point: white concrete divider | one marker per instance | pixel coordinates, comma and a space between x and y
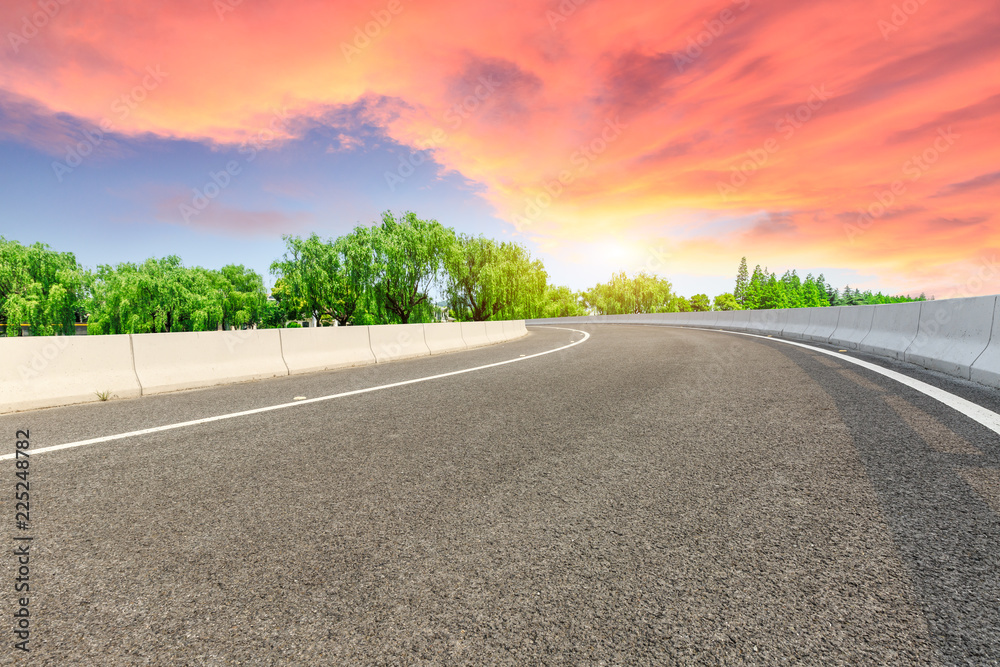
325, 348
44, 371
725, 319
392, 342
494, 331
854, 324
952, 334
823, 322
986, 369
796, 322
192, 359
741, 320
474, 333
767, 322
709, 318
894, 326
514, 329
444, 337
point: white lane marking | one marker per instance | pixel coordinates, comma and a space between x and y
973, 411
256, 411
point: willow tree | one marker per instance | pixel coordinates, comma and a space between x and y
406, 257
487, 279
162, 295
561, 301
327, 277
642, 293
40, 287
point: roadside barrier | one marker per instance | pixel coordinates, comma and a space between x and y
952, 334
894, 326
444, 337
325, 348
393, 342
44, 371
189, 360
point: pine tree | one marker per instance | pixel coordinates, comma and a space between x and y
742, 280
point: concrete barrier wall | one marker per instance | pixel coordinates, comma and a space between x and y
444, 337
514, 329
894, 326
766, 322
44, 371
325, 348
725, 319
796, 322
741, 320
823, 322
392, 342
986, 369
474, 333
49, 371
494, 331
853, 325
188, 360
952, 334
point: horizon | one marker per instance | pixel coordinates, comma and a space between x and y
669, 140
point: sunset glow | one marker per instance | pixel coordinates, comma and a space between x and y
845, 136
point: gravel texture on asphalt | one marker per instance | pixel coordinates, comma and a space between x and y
652, 496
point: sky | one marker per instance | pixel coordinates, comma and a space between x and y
857, 138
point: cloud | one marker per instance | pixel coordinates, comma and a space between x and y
276, 73
219, 218
979, 182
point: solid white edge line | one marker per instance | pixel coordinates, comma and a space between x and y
973, 411
269, 408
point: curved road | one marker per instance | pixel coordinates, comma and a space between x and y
650, 496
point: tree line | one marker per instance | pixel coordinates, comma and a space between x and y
385, 273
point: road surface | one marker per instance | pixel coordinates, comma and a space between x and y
650, 495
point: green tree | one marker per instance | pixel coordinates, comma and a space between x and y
622, 295
700, 303
486, 279
407, 259
39, 287
742, 283
726, 301
327, 277
161, 295
563, 302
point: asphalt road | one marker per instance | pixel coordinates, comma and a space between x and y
651, 496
